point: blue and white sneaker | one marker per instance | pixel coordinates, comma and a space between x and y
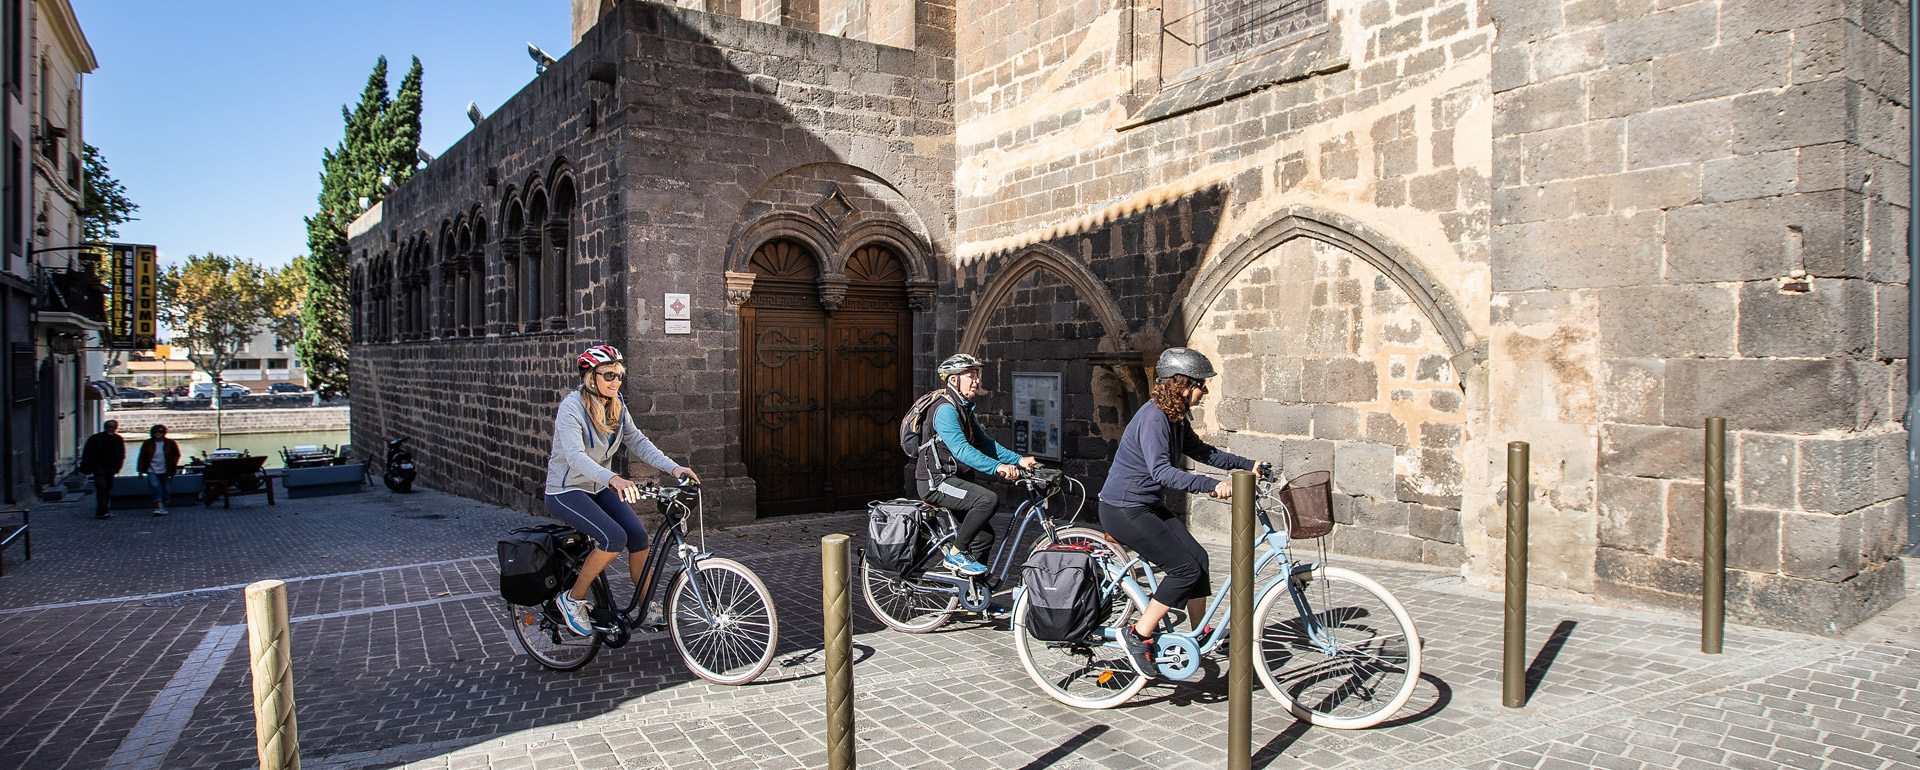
958, 562
578, 613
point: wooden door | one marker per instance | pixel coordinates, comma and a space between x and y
869, 380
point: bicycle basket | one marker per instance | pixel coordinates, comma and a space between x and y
1309, 501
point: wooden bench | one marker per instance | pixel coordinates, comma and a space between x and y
226, 477
324, 481
12, 532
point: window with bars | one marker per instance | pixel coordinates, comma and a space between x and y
1198, 33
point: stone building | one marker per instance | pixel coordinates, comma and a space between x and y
1409, 231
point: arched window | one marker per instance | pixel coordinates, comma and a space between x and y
561, 249
477, 285
533, 262
511, 273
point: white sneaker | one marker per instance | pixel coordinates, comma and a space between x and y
159, 511
656, 616
578, 613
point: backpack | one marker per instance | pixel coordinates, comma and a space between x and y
893, 533
911, 426
531, 563
1064, 603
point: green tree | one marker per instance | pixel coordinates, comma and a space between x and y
286, 290
106, 205
377, 152
215, 305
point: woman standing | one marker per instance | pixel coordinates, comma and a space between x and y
159, 461
591, 425
1130, 507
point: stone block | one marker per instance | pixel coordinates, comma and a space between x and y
1777, 395
1834, 318
1338, 380
1569, 54
1510, 69
1685, 134
1360, 541
1435, 479
1363, 469
1620, 91
1798, 116
1539, 107
1280, 419
1339, 158
1686, 516
1384, 428
1665, 321
1441, 554
1233, 413
1890, 465
1883, 532
1631, 391
1766, 469
1651, 451
1736, 66
1753, 539
1279, 379
1261, 447
1655, 188
1837, 475
1765, 175
1447, 401
1782, 601
1614, 570
1752, 240
1336, 422
1302, 456
1575, 151
1343, 509
1438, 191
1632, 513
1741, 19
1382, 515
1430, 523
1520, 21
1687, 28
1819, 546
1619, 250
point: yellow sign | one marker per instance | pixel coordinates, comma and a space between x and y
131, 307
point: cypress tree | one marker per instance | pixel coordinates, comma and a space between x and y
401, 128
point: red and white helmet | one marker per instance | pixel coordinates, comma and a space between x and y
598, 355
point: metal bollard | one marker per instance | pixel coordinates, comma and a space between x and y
1713, 552
277, 738
1240, 633
837, 608
1513, 671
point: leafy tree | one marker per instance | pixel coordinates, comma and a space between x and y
106, 203
215, 305
377, 152
286, 290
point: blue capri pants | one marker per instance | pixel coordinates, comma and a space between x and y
603, 516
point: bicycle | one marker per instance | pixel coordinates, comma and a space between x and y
924, 595
1343, 653
718, 612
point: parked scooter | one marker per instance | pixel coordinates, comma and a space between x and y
399, 474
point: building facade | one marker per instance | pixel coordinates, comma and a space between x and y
1407, 232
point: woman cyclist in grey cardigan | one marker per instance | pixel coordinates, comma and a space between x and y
589, 428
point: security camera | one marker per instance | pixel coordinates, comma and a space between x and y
424, 156
474, 114
541, 59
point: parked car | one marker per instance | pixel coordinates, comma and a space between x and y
227, 390
133, 394
286, 387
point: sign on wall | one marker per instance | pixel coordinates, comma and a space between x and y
134, 269
679, 314
1036, 414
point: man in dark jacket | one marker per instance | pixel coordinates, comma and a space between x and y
102, 457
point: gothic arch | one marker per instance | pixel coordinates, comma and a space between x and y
779, 225
1304, 222
913, 252
1091, 290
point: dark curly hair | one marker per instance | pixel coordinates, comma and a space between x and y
1170, 395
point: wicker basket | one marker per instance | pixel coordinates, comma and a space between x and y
1309, 501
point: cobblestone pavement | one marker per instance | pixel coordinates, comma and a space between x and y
123, 648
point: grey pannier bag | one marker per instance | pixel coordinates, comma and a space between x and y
1064, 603
893, 533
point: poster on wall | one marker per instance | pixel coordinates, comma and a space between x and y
1036, 414
133, 271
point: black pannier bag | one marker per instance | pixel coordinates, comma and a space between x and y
893, 533
531, 563
1063, 594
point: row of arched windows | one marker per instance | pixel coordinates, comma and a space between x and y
469, 280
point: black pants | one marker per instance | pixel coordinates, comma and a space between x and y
1164, 542
974, 533
102, 489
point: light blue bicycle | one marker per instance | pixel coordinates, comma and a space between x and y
1331, 644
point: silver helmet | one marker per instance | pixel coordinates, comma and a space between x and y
1185, 361
957, 363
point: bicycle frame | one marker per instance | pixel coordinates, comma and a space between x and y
1033, 510
672, 540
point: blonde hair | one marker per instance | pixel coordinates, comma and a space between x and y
602, 411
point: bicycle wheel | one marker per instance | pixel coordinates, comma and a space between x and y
728, 632
1084, 675
908, 605
544, 634
1347, 658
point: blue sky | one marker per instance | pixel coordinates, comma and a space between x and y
214, 113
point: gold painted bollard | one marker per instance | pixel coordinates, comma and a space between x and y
1513, 669
837, 607
277, 737
1240, 633
1713, 552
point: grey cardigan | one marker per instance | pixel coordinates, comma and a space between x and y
581, 452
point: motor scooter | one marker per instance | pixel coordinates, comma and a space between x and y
399, 473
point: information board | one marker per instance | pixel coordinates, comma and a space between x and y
133, 271
1036, 414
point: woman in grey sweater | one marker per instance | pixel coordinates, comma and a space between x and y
589, 428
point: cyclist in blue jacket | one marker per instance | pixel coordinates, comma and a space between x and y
953, 444
1130, 507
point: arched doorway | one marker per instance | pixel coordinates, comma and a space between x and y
823, 388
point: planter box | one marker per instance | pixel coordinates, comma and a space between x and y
131, 491
328, 480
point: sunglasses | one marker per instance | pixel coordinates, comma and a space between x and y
612, 376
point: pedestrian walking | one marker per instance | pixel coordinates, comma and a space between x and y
101, 458
159, 460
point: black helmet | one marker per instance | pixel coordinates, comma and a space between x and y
1185, 361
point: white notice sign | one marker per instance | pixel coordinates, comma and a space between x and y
678, 308
1036, 414
679, 327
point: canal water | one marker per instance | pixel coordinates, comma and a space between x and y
268, 444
